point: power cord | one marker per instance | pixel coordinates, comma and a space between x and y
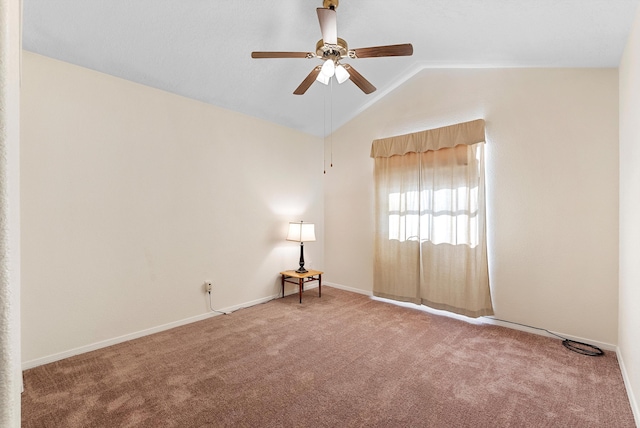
211, 306
572, 345
582, 348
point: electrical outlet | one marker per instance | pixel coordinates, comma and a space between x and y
208, 286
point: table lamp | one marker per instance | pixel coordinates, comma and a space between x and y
301, 232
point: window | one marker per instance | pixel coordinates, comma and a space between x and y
430, 244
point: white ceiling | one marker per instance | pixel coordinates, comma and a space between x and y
201, 49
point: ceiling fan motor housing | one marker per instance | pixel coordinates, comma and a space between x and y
334, 52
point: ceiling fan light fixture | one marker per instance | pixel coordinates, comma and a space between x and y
323, 79
328, 68
342, 75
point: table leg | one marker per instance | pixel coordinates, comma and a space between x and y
301, 281
320, 285
282, 280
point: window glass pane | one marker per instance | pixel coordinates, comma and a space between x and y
441, 213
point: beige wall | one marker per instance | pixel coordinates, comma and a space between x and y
629, 320
133, 197
552, 188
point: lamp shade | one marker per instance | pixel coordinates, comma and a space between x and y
301, 232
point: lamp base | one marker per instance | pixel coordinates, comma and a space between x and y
301, 269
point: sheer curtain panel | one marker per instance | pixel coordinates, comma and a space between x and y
430, 242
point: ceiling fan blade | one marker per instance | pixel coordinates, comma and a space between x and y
328, 25
282, 55
359, 80
405, 49
306, 83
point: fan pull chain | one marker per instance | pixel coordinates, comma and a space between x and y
324, 125
324, 131
331, 120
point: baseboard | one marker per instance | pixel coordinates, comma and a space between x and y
135, 335
627, 384
114, 341
534, 330
109, 342
332, 285
494, 321
345, 288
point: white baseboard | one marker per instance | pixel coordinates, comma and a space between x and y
493, 321
345, 288
507, 324
601, 345
635, 409
109, 342
114, 341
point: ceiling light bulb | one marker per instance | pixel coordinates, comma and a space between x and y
341, 74
328, 68
323, 79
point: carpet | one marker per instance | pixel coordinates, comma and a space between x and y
343, 360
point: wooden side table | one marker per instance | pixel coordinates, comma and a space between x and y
302, 278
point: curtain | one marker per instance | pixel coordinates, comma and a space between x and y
430, 239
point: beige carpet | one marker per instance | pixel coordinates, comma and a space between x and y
343, 360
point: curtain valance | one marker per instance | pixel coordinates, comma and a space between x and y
433, 139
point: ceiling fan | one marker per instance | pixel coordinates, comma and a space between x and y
331, 50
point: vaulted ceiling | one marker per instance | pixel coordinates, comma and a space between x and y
201, 49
